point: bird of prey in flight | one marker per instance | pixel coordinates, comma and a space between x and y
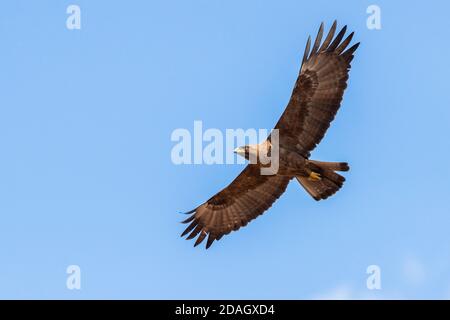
315, 99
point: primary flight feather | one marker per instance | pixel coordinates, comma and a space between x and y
315, 99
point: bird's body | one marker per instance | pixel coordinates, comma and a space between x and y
315, 99
291, 163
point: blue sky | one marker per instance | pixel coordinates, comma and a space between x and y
86, 176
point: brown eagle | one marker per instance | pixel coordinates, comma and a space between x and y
315, 99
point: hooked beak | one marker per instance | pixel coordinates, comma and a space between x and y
239, 150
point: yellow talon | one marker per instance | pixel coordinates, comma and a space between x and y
314, 176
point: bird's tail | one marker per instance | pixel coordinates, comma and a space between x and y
327, 182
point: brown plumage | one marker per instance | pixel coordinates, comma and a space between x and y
315, 99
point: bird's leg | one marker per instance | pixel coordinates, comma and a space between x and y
314, 176
311, 173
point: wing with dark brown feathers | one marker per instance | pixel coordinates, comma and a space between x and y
247, 197
318, 91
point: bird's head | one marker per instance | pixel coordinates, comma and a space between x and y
248, 151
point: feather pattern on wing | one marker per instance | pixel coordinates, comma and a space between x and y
318, 91
247, 197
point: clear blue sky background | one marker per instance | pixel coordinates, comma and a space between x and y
86, 176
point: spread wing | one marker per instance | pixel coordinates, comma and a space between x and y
247, 197
318, 91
